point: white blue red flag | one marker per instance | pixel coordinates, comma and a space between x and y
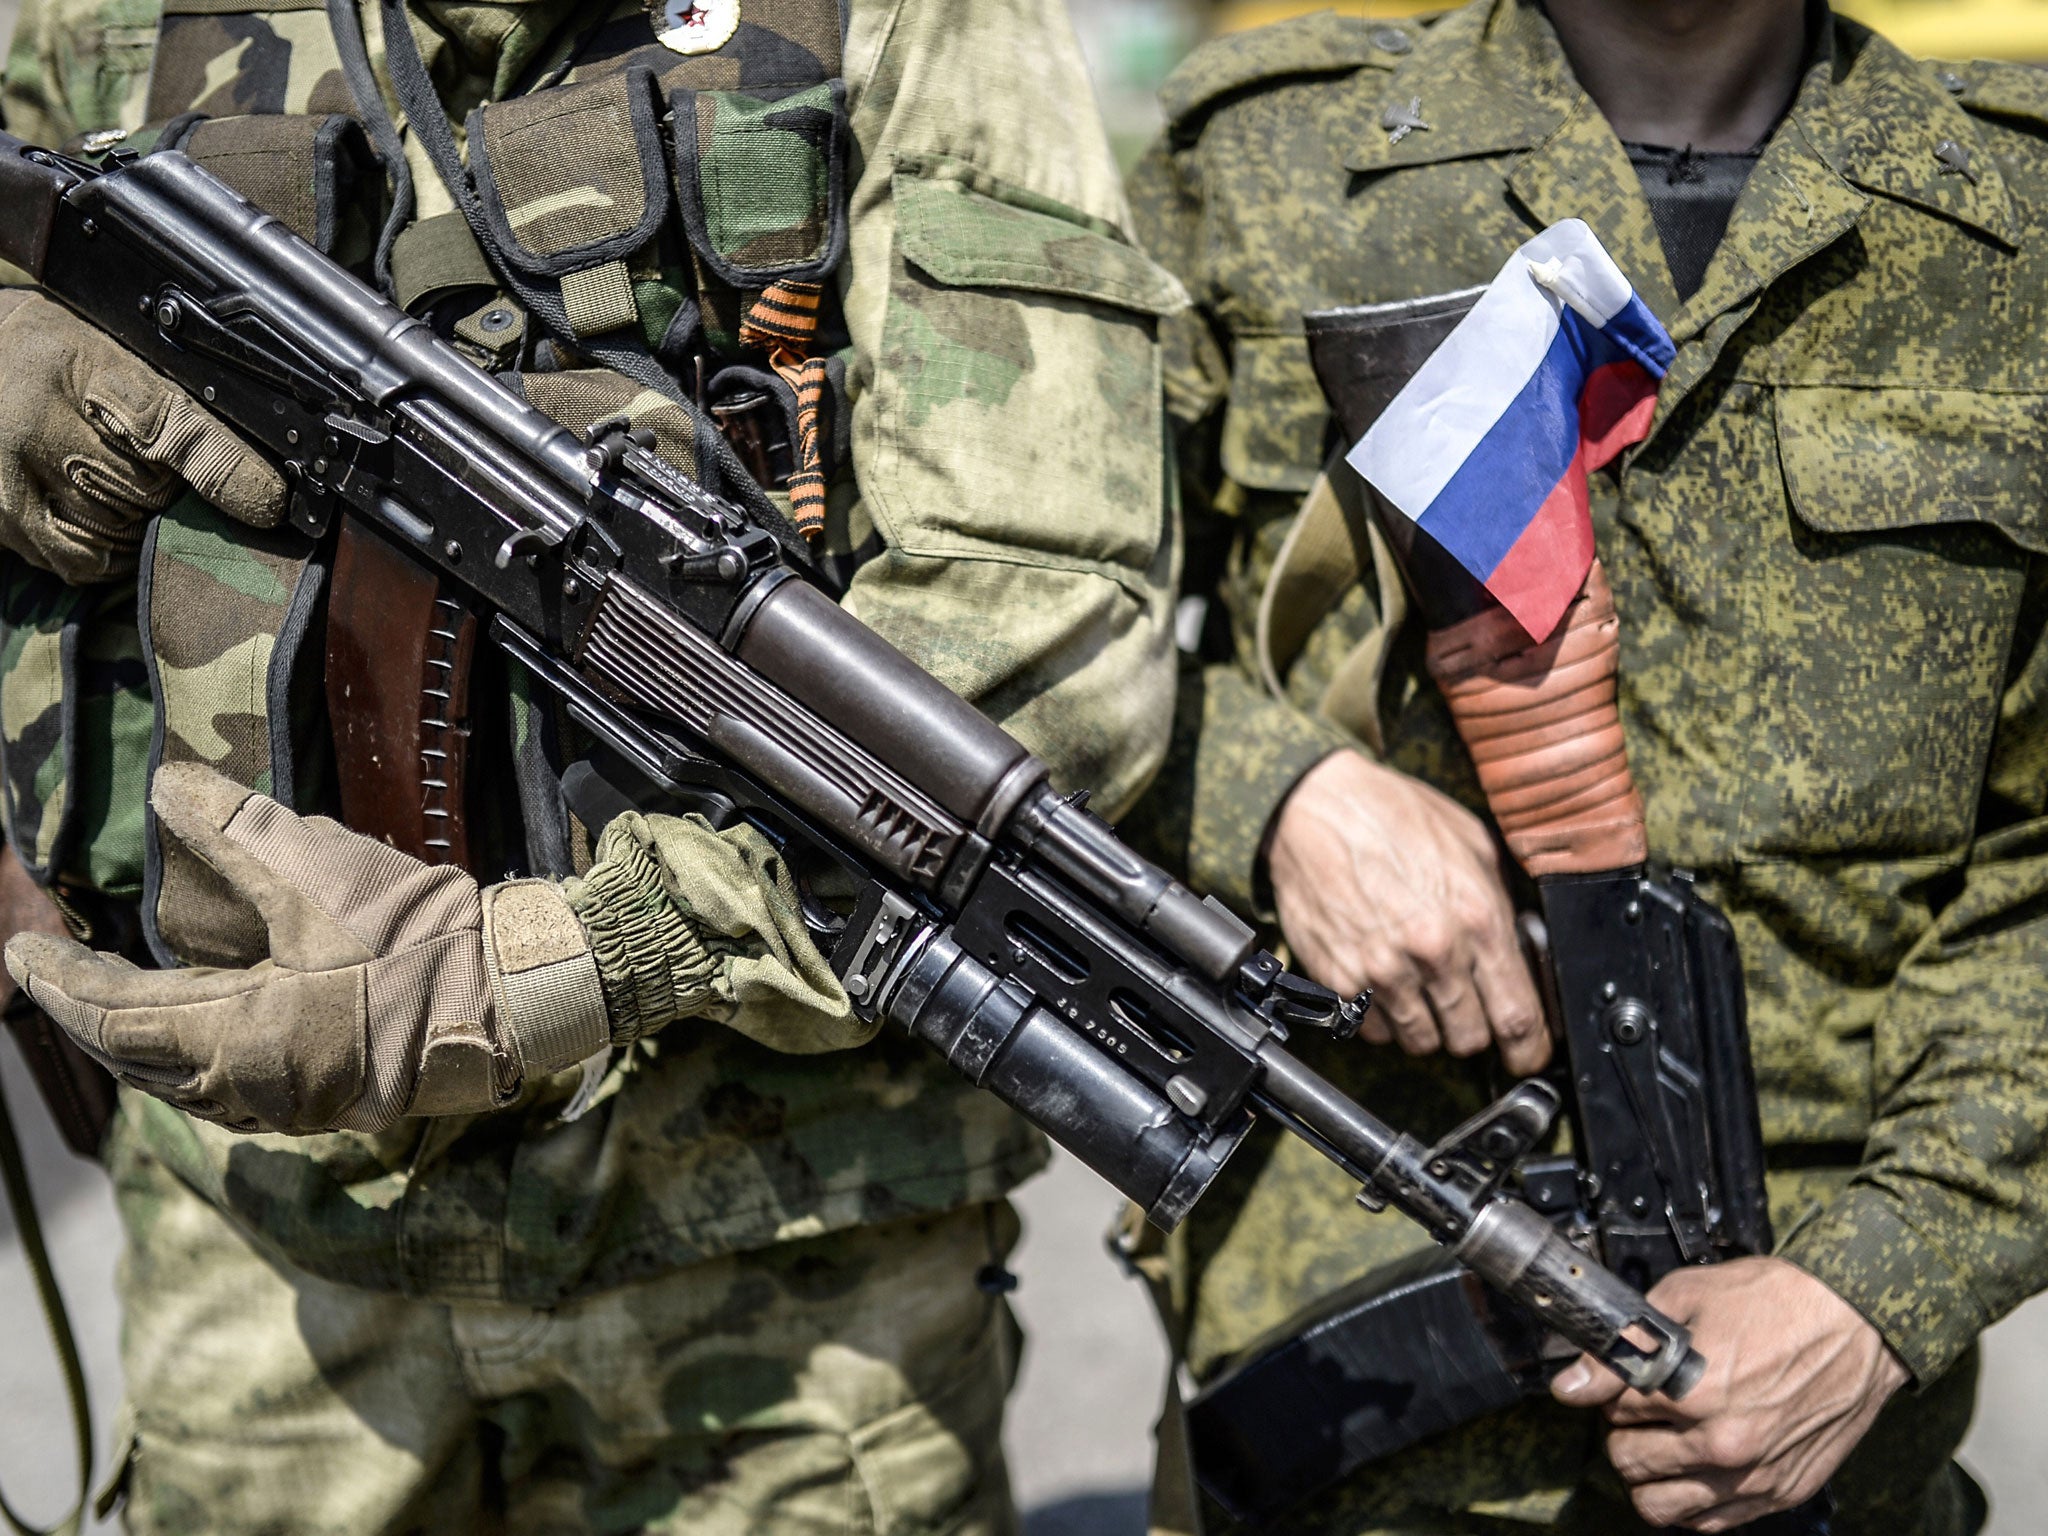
1553, 373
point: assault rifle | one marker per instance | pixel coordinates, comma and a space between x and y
998, 921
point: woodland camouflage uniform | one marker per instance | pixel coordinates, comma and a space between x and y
738, 1293
1828, 561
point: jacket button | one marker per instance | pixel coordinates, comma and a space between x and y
1951, 82
1389, 40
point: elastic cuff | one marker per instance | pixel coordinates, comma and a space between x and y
1863, 1248
1246, 770
651, 961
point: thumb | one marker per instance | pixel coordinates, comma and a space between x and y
1585, 1383
199, 806
217, 464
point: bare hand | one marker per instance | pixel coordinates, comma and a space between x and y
1382, 881
1795, 1378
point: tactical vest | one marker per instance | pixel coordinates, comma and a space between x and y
672, 213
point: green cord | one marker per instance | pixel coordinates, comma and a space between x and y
20, 1199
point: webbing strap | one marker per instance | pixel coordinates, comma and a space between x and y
354, 51
21, 1201
428, 119
1324, 554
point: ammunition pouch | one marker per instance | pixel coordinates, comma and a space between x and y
576, 221
762, 178
230, 614
318, 174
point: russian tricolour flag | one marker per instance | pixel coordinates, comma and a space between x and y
1553, 373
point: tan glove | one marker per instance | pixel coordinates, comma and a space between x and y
397, 989
93, 441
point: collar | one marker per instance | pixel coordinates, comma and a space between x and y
1480, 82
1492, 80
1891, 128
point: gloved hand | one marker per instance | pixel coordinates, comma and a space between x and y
92, 442
393, 988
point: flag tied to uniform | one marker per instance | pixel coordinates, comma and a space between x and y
1553, 373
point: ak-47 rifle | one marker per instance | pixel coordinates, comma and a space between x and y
998, 921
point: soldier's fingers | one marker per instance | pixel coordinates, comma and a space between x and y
1586, 1383
1375, 1030
1658, 1453
1628, 1410
1514, 1012
1400, 1013
218, 465
202, 808
68, 982
1681, 1501
1410, 1020
1460, 1015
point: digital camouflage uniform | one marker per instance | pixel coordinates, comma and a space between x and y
737, 1293
1827, 558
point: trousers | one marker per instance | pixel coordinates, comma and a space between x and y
844, 1385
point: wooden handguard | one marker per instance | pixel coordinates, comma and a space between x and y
1544, 729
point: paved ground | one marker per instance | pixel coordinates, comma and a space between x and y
1080, 1427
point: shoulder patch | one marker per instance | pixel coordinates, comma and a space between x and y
1992, 88
1324, 43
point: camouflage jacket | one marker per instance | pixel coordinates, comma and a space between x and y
998, 315
1828, 560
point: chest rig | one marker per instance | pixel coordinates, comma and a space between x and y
637, 232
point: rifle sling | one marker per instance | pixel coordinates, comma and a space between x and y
1327, 550
21, 1201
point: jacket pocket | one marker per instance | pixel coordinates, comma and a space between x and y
575, 220
762, 179
1914, 514
1017, 407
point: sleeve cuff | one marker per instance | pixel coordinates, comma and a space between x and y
652, 962
1864, 1249
1254, 750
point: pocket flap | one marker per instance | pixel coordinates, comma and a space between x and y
1878, 460
555, 213
762, 177
964, 238
303, 169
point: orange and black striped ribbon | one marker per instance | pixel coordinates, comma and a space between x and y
783, 322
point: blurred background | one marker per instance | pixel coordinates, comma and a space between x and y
1080, 1424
